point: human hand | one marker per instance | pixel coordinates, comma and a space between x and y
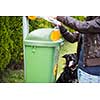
53, 20
59, 18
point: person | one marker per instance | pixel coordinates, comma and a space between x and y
88, 52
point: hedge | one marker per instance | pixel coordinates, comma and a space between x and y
10, 40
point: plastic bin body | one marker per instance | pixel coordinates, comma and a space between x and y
40, 63
41, 59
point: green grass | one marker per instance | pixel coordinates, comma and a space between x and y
67, 48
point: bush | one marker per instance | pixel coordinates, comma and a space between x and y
12, 76
39, 23
10, 40
6, 44
17, 38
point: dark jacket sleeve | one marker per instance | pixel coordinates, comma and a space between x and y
71, 37
92, 26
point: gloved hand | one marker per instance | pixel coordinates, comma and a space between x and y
60, 26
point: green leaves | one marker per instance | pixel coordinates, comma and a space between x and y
39, 23
10, 40
5, 42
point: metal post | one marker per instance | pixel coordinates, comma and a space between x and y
25, 32
25, 27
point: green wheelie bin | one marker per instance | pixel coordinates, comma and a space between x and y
41, 54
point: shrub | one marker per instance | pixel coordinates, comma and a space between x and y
6, 44
17, 38
39, 23
10, 40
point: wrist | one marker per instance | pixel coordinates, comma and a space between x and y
62, 29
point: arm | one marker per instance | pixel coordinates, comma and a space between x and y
92, 26
71, 37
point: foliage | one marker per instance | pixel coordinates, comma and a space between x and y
12, 76
39, 23
81, 18
6, 44
10, 40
